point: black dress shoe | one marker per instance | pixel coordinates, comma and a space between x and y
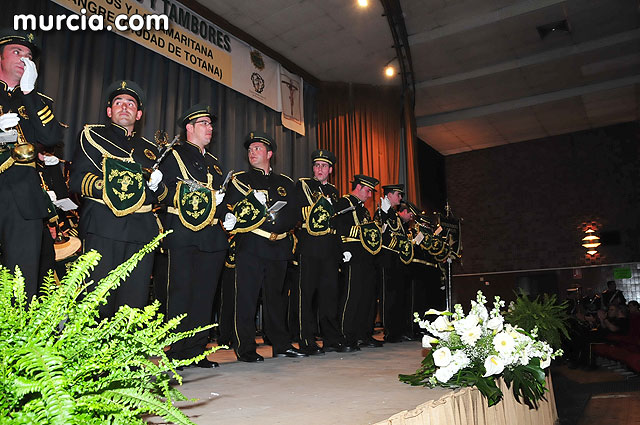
312, 350
341, 348
290, 352
207, 364
250, 357
370, 342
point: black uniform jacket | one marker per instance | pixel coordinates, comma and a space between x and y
38, 126
277, 187
347, 227
316, 246
392, 224
212, 238
87, 180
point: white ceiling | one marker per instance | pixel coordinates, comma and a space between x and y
483, 75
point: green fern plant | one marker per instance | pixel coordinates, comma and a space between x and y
62, 365
546, 313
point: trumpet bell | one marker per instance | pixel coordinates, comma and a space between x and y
23, 152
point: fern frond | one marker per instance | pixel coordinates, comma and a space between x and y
165, 410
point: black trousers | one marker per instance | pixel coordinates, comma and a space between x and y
20, 242
134, 290
395, 309
318, 279
357, 298
252, 274
227, 305
191, 287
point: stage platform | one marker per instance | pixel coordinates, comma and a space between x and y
340, 388
335, 388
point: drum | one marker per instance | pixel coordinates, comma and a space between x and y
67, 249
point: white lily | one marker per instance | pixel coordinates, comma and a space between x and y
493, 366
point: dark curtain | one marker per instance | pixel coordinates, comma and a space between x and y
76, 67
362, 125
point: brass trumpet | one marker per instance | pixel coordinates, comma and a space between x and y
23, 151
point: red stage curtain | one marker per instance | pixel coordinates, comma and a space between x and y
411, 137
362, 126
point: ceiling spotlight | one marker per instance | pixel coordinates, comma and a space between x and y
389, 71
363, 3
553, 27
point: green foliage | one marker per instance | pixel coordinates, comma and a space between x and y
464, 378
547, 314
62, 365
528, 382
425, 371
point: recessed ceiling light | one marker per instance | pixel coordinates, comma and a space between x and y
363, 3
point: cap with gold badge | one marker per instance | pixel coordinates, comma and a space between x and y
323, 156
196, 111
24, 38
370, 182
255, 136
126, 87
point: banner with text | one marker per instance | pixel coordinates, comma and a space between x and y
198, 44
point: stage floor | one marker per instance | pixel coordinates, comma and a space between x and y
345, 388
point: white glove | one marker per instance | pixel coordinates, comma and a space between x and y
385, 204
52, 195
219, 196
8, 120
51, 160
261, 197
29, 76
154, 180
346, 256
329, 200
418, 239
229, 222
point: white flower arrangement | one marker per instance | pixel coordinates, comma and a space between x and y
477, 348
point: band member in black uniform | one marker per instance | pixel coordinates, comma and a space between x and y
411, 301
264, 244
227, 297
319, 258
23, 109
198, 245
361, 241
112, 169
426, 274
391, 270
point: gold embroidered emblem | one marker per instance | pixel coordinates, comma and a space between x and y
123, 85
124, 179
218, 170
281, 191
30, 37
150, 155
99, 184
23, 112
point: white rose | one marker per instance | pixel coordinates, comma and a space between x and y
444, 374
503, 343
496, 323
442, 357
493, 365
